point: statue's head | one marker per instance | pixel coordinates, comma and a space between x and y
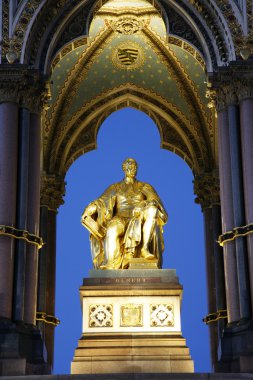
129, 167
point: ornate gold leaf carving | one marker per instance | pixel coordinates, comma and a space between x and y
128, 24
52, 191
131, 315
128, 56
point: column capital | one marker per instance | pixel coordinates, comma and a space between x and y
24, 86
223, 95
245, 90
207, 189
231, 84
52, 191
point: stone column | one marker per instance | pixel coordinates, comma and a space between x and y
21, 222
28, 205
8, 188
230, 266
31, 272
219, 264
246, 118
21, 345
52, 192
236, 347
210, 270
238, 204
206, 186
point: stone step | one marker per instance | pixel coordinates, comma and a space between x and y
139, 376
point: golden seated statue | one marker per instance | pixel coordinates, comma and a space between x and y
125, 222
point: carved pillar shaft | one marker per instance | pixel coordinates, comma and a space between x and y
218, 260
210, 270
21, 223
47, 271
8, 173
229, 254
238, 208
33, 211
50, 290
246, 115
235, 147
52, 191
19, 209
208, 191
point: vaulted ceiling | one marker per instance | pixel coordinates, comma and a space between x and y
128, 47
102, 55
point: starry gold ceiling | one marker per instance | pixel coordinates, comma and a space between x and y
151, 72
128, 47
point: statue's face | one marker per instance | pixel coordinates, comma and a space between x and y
130, 168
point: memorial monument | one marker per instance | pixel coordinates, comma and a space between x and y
64, 67
131, 307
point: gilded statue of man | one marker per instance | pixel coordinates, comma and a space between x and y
126, 222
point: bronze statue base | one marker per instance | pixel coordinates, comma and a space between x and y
137, 263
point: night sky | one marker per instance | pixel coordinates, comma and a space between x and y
131, 133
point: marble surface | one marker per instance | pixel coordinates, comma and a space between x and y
168, 274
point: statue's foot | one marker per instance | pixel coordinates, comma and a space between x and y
129, 254
106, 266
103, 267
146, 254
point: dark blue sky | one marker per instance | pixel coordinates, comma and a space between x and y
131, 133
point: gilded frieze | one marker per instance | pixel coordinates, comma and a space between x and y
187, 47
80, 42
128, 24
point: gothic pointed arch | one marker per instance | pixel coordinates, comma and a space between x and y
41, 28
86, 78
177, 133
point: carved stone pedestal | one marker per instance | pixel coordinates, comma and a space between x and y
131, 323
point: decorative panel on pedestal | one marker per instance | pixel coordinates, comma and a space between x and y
131, 323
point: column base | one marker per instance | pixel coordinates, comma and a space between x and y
237, 348
21, 350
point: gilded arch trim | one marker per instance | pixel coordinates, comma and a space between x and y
68, 89
61, 106
197, 154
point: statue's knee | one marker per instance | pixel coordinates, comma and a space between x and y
114, 230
